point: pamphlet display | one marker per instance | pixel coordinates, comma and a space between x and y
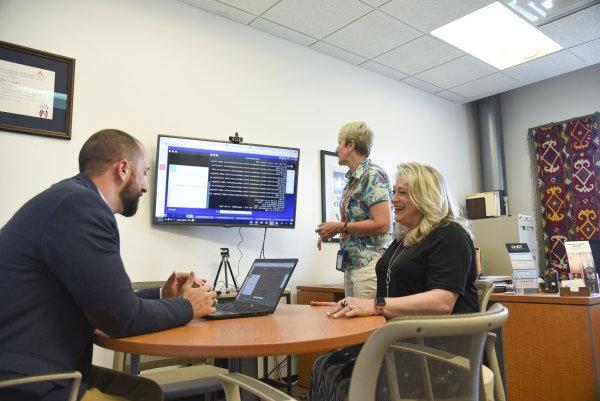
525, 273
581, 266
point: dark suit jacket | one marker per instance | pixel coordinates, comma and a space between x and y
62, 277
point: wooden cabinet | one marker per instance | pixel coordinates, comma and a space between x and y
551, 347
305, 294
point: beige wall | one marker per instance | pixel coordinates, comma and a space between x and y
159, 66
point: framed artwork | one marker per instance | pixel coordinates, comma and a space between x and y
36, 91
333, 179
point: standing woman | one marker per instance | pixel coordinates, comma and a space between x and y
429, 269
365, 210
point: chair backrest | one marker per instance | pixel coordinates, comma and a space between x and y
432, 357
484, 292
75, 376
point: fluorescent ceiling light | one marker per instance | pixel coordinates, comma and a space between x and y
541, 12
497, 36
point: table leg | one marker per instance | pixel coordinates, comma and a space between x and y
289, 374
134, 364
247, 366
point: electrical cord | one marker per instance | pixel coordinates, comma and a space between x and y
262, 249
278, 366
237, 274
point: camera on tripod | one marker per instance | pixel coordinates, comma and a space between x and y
226, 271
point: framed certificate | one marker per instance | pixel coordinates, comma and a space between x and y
36, 91
333, 179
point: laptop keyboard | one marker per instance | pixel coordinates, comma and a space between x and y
234, 307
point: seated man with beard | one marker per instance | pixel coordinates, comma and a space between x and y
63, 277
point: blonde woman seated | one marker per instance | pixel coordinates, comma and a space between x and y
428, 269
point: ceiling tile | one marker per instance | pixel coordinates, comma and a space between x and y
373, 34
420, 54
575, 29
456, 72
282, 32
338, 53
427, 15
448, 95
589, 52
316, 18
255, 7
486, 85
545, 67
222, 10
382, 69
426, 86
375, 3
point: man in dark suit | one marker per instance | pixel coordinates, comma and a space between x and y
63, 277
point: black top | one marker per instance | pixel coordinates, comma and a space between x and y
445, 260
62, 277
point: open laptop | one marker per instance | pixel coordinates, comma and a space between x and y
261, 290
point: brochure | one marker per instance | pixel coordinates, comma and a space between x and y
525, 274
581, 265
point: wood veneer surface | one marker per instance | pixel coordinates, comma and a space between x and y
304, 297
292, 329
331, 288
305, 294
546, 299
595, 333
547, 353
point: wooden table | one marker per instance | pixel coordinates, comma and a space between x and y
305, 294
292, 329
551, 347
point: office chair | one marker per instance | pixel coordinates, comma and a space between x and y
421, 358
484, 292
184, 377
75, 376
485, 289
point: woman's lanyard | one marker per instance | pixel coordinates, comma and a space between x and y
344, 206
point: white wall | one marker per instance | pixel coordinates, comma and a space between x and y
159, 66
556, 99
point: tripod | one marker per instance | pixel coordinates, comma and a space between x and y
225, 266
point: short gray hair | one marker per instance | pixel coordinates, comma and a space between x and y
360, 133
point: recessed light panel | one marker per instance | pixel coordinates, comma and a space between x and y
497, 36
541, 12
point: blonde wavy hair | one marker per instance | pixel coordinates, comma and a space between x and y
429, 193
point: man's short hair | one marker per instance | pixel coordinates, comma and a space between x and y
106, 147
360, 133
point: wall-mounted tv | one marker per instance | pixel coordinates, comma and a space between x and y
208, 182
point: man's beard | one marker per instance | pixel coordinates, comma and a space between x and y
130, 199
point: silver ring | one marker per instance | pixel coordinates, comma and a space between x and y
344, 303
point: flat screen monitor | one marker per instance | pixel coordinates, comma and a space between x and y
208, 182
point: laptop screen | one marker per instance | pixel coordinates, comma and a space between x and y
266, 281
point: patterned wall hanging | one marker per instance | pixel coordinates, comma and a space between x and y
567, 161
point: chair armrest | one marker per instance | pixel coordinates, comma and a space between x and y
75, 376
233, 381
492, 360
439, 355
